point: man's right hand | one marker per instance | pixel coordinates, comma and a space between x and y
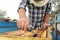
23, 23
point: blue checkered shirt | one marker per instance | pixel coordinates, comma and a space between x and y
36, 14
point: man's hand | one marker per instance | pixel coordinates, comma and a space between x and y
23, 23
44, 26
45, 22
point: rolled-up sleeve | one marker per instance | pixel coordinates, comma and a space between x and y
22, 4
49, 7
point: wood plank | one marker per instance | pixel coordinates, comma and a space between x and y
20, 33
2, 37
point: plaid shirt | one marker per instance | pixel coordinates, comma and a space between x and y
36, 14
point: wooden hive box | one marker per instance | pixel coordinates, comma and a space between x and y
21, 38
8, 36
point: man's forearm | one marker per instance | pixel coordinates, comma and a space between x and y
46, 18
22, 12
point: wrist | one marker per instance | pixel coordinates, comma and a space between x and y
22, 17
45, 23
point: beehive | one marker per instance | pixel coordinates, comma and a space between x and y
10, 36
21, 38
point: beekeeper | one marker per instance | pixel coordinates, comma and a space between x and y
39, 14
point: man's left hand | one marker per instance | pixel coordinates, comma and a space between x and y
44, 26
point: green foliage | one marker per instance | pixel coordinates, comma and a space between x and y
57, 9
2, 14
54, 13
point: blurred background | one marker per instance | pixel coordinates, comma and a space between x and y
10, 7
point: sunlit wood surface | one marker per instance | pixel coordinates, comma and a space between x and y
26, 35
